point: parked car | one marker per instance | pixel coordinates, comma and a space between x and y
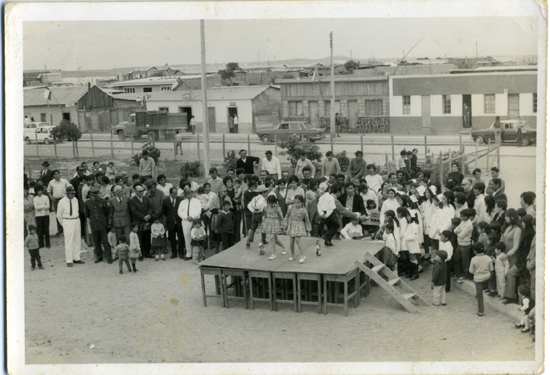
287, 128
509, 129
40, 134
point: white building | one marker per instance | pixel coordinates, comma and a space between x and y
253, 105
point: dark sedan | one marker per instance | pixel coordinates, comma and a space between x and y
287, 128
509, 129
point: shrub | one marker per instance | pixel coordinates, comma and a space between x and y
152, 150
294, 148
67, 130
343, 160
230, 160
192, 167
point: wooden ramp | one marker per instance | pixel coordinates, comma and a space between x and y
396, 287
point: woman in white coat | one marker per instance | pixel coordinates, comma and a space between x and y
410, 240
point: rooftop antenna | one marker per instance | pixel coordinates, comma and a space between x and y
403, 59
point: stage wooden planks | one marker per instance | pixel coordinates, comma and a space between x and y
335, 265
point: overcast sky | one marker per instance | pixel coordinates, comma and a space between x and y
70, 45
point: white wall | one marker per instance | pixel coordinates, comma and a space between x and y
244, 110
501, 105
436, 106
526, 105
396, 106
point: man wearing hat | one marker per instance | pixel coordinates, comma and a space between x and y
46, 174
97, 211
68, 216
140, 210
357, 168
257, 206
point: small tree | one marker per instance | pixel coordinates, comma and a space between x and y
295, 147
229, 73
230, 160
351, 65
69, 131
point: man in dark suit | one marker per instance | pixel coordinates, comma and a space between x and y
173, 223
352, 201
500, 209
248, 163
467, 184
141, 213
495, 186
97, 210
77, 180
120, 213
46, 174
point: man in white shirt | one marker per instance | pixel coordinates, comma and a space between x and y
188, 210
69, 215
235, 124
374, 180
325, 208
271, 165
56, 189
257, 206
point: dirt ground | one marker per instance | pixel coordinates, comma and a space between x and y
92, 314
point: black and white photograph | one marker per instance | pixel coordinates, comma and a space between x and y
275, 187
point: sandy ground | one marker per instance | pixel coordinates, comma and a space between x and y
157, 316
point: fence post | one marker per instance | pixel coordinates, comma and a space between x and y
441, 168
223, 146
488, 149
275, 144
36, 139
331, 143
387, 163
362, 144
498, 157
425, 146
392, 149
462, 157
175, 149
475, 166
112, 151
199, 152
92, 139
132, 145
54, 147
248, 141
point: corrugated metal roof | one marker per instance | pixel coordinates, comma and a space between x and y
214, 93
152, 81
66, 96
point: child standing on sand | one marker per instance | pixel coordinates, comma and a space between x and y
272, 224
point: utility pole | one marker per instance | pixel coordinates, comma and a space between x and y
258, 56
205, 130
332, 109
476, 52
351, 54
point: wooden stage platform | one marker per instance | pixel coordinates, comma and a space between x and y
331, 279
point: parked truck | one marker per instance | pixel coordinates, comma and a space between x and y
153, 124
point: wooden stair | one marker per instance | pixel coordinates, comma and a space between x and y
404, 296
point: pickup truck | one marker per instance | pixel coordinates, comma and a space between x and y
509, 133
153, 124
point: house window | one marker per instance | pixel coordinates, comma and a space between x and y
535, 102
489, 103
407, 105
374, 107
147, 89
446, 104
129, 90
43, 117
165, 88
165, 109
336, 107
295, 108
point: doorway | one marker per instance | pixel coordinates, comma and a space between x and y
67, 116
314, 114
212, 119
513, 106
426, 112
231, 114
188, 111
352, 113
467, 111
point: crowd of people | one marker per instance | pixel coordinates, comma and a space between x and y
464, 228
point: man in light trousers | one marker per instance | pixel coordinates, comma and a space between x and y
69, 216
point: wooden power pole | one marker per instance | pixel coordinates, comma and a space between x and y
205, 129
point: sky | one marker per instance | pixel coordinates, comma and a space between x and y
70, 45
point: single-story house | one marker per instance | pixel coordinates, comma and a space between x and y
445, 104
253, 105
60, 106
